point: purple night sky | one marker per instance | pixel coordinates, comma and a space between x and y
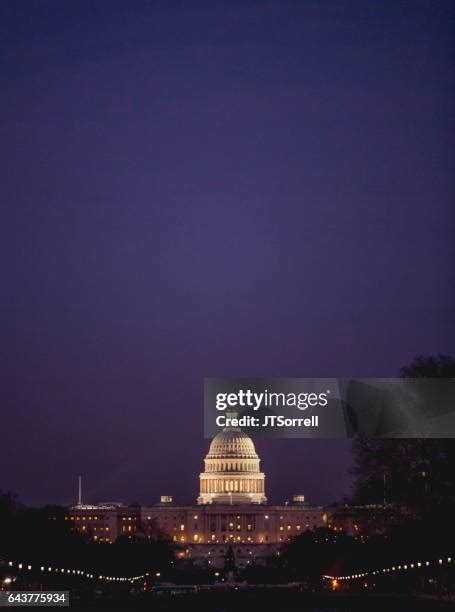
195, 189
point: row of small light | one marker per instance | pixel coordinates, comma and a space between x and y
80, 573
387, 570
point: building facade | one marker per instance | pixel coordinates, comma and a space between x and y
231, 511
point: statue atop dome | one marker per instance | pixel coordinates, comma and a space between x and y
231, 413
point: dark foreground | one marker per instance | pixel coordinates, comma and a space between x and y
269, 599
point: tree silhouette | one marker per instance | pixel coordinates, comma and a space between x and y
414, 472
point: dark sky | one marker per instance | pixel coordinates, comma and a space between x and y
195, 189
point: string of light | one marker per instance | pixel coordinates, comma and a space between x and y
75, 572
393, 568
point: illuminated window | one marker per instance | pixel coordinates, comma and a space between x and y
182, 527
281, 527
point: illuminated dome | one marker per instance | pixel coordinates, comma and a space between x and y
231, 473
232, 443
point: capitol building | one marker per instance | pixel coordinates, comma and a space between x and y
231, 511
